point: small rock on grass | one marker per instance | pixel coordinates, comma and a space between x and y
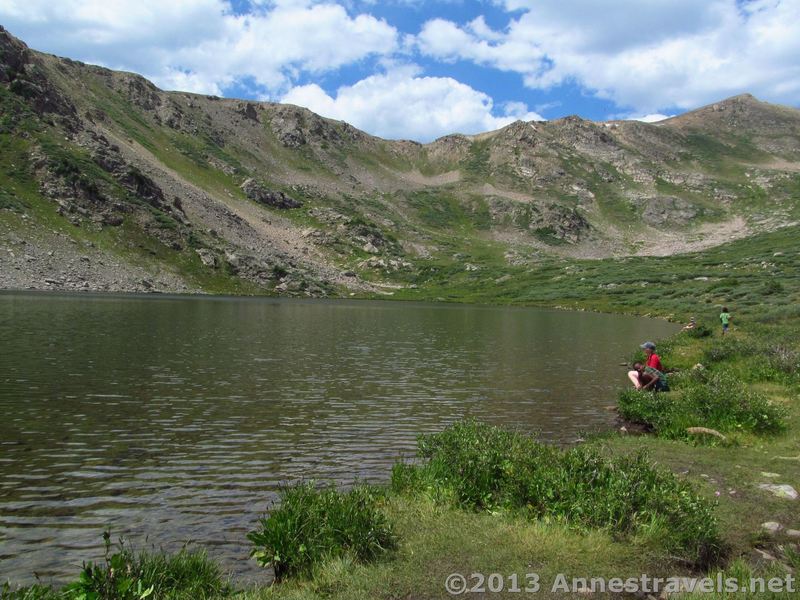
705, 431
769, 475
780, 490
771, 527
763, 555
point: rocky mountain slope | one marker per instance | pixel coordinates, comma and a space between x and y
108, 183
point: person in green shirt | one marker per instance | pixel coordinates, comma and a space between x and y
725, 317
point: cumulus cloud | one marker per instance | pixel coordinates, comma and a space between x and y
201, 45
444, 40
643, 55
402, 103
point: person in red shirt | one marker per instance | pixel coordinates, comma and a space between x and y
653, 360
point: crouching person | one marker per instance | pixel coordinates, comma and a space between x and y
648, 378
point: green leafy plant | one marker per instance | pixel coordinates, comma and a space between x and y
312, 525
115, 579
126, 575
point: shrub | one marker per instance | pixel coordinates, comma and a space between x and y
773, 286
312, 525
646, 408
784, 357
727, 404
720, 402
699, 331
729, 347
482, 467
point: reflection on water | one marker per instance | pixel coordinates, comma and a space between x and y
177, 418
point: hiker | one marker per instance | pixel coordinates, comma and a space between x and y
691, 325
725, 317
649, 379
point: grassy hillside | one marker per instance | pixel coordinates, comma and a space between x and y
759, 275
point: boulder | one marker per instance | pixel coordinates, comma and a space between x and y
275, 199
780, 490
370, 248
760, 556
771, 527
112, 220
248, 110
234, 261
207, 257
705, 431
668, 210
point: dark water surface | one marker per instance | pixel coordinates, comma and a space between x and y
177, 418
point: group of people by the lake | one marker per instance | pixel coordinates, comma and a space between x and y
649, 375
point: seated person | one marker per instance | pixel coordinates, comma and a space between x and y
652, 359
648, 378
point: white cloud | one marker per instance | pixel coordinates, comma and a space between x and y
651, 118
200, 45
402, 103
444, 40
643, 55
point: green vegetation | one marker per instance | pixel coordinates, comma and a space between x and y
478, 466
677, 287
442, 210
437, 539
312, 526
717, 401
477, 165
128, 575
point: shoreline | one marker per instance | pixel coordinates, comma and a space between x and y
373, 298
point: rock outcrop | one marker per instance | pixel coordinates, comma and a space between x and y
275, 199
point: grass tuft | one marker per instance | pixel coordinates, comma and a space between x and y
129, 575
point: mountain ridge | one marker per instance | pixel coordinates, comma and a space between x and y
185, 192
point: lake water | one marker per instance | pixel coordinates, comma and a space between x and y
170, 419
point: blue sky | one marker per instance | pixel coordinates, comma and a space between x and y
420, 69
